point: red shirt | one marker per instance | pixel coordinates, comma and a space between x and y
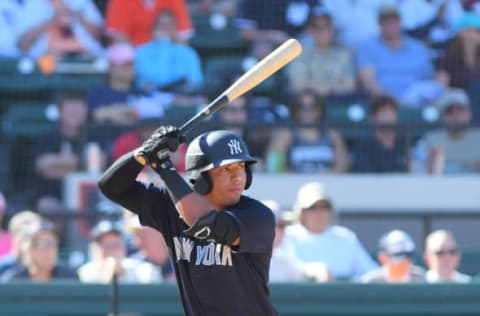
135, 20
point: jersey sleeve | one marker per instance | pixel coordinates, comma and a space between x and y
257, 227
184, 21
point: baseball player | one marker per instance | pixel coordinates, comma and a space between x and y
220, 240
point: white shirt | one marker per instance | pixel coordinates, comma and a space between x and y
135, 271
433, 277
337, 247
35, 12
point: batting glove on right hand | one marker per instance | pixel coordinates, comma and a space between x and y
156, 149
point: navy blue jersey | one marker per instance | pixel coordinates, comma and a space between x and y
213, 279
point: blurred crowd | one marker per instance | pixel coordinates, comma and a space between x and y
375, 60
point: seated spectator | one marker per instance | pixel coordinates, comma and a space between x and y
460, 66
110, 102
62, 151
324, 67
62, 28
272, 20
396, 64
442, 257
453, 149
317, 239
109, 257
386, 150
149, 245
432, 22
364, 13
18, 226
40, 256
396, 256
5, 238
284, 265
310, 146
132, 21
164, 64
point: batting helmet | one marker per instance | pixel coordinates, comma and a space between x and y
211, 150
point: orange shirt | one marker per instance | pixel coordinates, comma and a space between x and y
135, 20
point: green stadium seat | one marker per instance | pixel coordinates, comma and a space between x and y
215, 34
26, 119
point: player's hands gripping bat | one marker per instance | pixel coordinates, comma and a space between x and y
278, 58
156, 149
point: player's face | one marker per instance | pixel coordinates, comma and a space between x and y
228, 184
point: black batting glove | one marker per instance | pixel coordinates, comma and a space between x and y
156, 149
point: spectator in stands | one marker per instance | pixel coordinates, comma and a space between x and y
460, 65
18, 226
284, 265
396, 256
133, 20
454, 149
108, 257
109, 102
432, 22
355, 21
317, 239
310, 146
62, 28
40, 256
62, 151
396, 64
324, 67
5, 238
442, 257
273, 20
149, 246
385, 150
165, 64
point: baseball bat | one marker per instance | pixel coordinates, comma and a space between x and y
263, 69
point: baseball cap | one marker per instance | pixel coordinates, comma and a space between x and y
397, 243
453, 96
309, 194
104, 227
120, 53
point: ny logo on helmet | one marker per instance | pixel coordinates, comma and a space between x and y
235, 147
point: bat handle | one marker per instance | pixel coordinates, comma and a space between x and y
213, 107
140, 157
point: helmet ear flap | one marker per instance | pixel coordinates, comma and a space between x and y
203, 184
248, 171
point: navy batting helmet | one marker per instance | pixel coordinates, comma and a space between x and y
211, 150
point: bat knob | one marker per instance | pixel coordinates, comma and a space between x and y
140, 158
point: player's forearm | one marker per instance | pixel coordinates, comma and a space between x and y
190, 205
119, 183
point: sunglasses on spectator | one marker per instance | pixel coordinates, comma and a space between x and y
45, 243
443, 252
111, 245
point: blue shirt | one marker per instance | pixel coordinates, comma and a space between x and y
396, 70
161, 63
